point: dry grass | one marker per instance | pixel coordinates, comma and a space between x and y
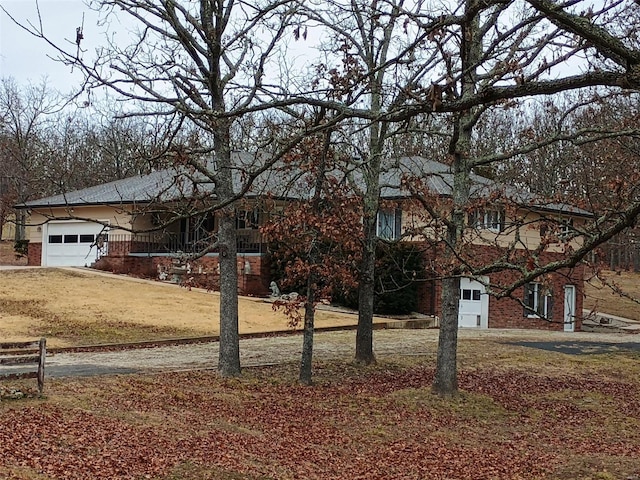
510, 422
603, 298
73, 307
8, 255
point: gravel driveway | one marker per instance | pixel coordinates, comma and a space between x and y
273, 350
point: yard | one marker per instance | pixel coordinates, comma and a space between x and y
604, 297
109, 313
523, 413
73, 307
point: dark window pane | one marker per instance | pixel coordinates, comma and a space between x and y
71, 239
476, 294
55, 238
86, 238
466, 294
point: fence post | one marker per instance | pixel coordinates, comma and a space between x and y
43, 353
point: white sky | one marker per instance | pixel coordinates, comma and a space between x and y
24, 57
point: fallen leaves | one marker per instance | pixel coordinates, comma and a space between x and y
376, 424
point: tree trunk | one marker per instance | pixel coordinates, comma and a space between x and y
445, 382
21, 220
2, 221
364, 334
309, 305
229, 355
307, 337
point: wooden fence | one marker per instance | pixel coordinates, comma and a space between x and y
25, 353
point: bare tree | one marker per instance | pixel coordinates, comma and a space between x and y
206, 64
506, 52
374, 59
25, 115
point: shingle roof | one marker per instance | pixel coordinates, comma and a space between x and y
438, 179
172, 184
160, 186
139, 189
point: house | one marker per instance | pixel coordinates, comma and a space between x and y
143, 225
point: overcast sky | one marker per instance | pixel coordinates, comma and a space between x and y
27, 59
24, 57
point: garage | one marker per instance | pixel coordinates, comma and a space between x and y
474, 304
71, 244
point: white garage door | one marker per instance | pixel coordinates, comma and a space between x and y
70, 244
474, 304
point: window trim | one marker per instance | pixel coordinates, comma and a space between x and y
492, 219
542, 301
247, 219
567, 230
394, 225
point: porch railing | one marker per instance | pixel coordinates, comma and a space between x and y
248, 241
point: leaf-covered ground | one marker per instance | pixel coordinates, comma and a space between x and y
377, 423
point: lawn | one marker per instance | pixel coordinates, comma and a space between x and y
74, 307
523, 414
8, 255
603, 297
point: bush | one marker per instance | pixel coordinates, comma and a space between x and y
398, 267
21, 247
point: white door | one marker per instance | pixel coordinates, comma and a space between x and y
569, 308
69, 244
474, 304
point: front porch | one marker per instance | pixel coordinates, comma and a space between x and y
156, 255
182, 243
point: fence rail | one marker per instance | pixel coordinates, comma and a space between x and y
248, 241
25, 353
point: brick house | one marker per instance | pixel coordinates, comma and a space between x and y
128, 226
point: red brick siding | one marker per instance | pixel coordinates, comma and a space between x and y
204, 271
509, 313
427, 297
34, 254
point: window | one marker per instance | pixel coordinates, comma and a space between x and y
544, 229
202, 227
566, 229
247, 219
71, 239
469, 294
538, 301
389, 224
55, 238
86, 238
487, 219
561, 230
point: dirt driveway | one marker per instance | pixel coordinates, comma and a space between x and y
285, 349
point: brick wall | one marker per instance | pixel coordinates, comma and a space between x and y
427, 298
253, 271
118, 249
34, 254
508, 312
